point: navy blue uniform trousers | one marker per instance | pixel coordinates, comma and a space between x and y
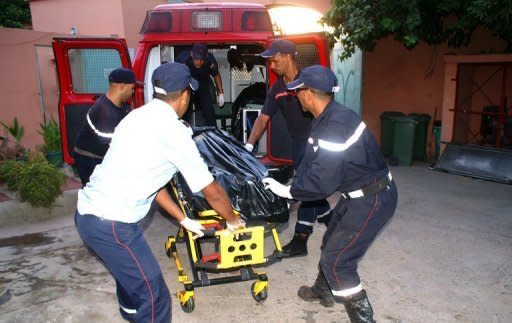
141, 290
202, 100
353, 227
310, 211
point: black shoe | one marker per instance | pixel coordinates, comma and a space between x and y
311, 294
297, 247
319, 292
359, 309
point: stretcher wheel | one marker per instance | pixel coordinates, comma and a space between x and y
189, 305
261, 296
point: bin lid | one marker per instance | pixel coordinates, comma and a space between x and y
420, 116
404, 119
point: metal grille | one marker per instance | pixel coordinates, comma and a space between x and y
90, 69
240, 75
307, 54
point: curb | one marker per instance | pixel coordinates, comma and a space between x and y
14, 212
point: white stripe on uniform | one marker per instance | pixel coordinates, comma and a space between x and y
348, 292
99, 133
339, 147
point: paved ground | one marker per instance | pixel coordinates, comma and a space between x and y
446, 256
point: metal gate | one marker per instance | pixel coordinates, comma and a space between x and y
482, 113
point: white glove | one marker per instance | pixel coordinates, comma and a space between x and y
249, 147
193, 226
220, 100
240, 225
277, 188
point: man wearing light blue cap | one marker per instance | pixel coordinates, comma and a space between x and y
342, 155
148, 147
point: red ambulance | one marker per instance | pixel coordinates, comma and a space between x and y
83, 64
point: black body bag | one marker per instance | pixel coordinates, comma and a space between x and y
240, 174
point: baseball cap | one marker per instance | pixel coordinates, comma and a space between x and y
172, 77
282, 46
315, 77
199, 51
123, 75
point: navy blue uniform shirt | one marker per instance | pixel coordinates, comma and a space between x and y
297, 121
105, 116
202, 75
341, 155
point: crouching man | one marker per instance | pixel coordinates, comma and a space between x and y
342, 155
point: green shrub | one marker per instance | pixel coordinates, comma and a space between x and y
51, 136
9, 173
36, 181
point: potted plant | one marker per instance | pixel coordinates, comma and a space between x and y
52, 146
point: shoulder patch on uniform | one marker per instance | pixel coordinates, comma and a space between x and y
286, 93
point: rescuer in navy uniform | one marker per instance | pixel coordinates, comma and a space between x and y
202, 65
101, 120
341, 155
281, 59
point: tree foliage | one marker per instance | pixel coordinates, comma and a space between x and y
362, 22
14, 13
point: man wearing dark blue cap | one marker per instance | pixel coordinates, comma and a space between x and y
281, 58
342, 155
148, 147
202, 65
101, 119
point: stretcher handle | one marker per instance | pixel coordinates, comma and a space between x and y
209, 233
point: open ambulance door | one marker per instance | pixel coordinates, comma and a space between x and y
83, 66
311, 49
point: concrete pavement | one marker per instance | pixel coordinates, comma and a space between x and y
446, 256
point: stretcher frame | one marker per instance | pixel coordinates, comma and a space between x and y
240, 252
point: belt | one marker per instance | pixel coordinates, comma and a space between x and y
86, 153
369, 189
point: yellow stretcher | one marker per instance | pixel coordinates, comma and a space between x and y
236, 252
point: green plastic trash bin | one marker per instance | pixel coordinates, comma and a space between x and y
420, 136
404, 129
437, 136
386, 131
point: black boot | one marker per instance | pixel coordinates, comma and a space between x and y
359, 309
320, 291
297, 247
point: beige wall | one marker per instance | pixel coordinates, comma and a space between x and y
91, 18
122, 18
19, 84
398, 79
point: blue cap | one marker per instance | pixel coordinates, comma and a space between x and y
122, 75
199, 51
282, 46
172, 77
315, 77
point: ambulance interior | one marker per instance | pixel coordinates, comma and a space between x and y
240, 68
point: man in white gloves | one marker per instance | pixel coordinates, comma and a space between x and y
281, 59
203, 65
148, 147
342, 155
